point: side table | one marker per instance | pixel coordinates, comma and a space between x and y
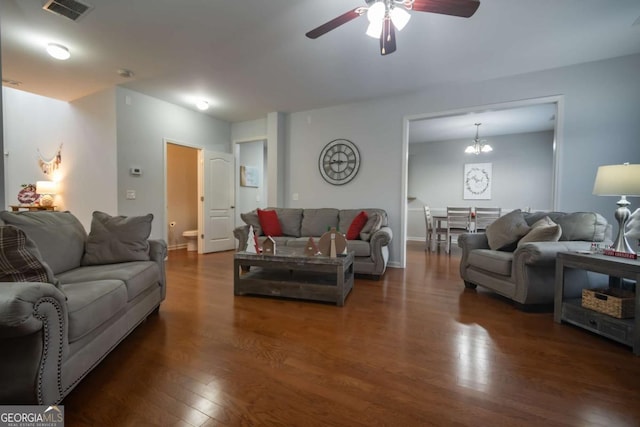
16, 208
570, 310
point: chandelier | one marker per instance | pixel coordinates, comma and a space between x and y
478, 145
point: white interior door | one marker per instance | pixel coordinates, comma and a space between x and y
217, 203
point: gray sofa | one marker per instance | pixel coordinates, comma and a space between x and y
526, 275
56, 329
371, 249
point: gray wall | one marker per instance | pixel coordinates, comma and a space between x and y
600, 126
522, 167
142, 124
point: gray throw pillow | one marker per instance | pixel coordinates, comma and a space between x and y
543, 230
114, 239
503, 234
374, 223
20, 259
586, 226
251, 218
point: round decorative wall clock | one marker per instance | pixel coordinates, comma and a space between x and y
339, 161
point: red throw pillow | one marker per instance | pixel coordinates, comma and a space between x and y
269, 223
357, 225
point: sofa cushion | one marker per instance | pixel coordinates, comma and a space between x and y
356, 226
498, 262
269, 222
251, 218
360, 247
137, 276
59, 236
544, 230
503, 234
316, 222
117, 239
290, 221
20, 260
587, 226
92, 303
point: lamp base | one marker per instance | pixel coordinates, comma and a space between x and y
46, 200
622, 215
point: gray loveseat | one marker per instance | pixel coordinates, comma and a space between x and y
56, 329
526, 275
371, 249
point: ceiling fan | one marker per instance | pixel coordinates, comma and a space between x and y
385, 16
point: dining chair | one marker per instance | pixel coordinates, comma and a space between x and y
458, 222
485, 216
434, 230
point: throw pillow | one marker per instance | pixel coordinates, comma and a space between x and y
114, 239
543, 230
269, 223
20, 258
357, 225
374, 223
503, 234
251, 218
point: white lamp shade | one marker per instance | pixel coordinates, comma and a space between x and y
470, 149
486, 148
399, 17
617, 180
376, 12
46, 187
374, 29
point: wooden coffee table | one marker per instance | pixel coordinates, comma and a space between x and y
291, 274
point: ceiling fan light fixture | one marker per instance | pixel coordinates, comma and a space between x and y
400, 17
374, 29
58, 51
376, 12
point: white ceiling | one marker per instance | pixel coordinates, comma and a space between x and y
534, 118
250, 57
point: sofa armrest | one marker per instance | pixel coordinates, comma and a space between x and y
158, 254
544, 253
381, 237
33, 338
469, 242
20, 303
242, 234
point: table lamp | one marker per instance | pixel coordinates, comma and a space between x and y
46, 190
619, 180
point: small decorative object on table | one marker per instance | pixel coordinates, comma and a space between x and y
269, 246
332, 239
27, 195
311, 249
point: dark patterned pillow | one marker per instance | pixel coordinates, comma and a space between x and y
20, 260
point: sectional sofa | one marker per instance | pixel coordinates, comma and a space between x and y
523, 269
67, 298
371, 247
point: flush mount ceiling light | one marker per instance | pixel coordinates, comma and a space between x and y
478, 145
58, 51
202, 105
387, 16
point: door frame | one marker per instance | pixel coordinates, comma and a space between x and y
200, 178
406, 123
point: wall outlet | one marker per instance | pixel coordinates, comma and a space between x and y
295, 196
131, 194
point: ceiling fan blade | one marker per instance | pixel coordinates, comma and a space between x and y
462, 8
334, 23
387, 38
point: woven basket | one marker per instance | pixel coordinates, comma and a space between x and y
614, 302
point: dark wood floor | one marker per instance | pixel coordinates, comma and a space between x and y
414, 349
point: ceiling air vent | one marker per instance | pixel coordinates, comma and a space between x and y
71, 9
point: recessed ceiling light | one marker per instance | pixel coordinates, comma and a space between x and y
123, 72
58, 51
202, 105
